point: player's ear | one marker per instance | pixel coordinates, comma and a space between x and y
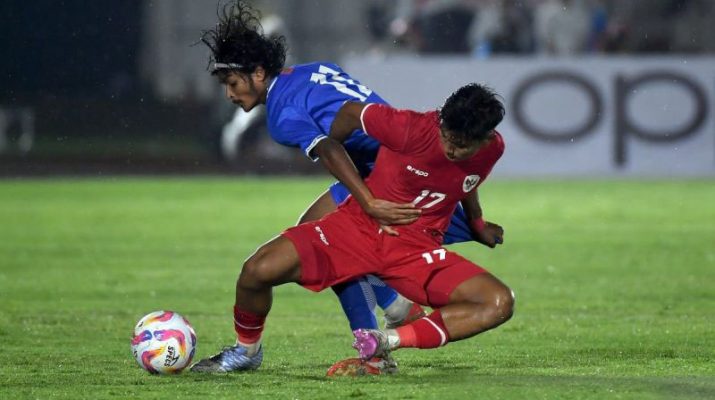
260, 73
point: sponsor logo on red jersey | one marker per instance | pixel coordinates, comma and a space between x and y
322, 236
417, 172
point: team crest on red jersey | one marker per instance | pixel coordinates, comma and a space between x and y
470, 182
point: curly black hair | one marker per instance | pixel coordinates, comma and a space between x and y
238, 43
471, 113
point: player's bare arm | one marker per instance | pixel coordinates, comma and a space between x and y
486, 233
336, 160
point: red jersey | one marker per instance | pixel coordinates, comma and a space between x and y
411, 166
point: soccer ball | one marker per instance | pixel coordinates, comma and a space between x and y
164, 342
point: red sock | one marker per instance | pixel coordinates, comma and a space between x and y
425, 333
249, 326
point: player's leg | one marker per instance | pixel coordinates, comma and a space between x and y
273, 264
478, 304
358, 297
475, 301
398, 310
358, 301
323, 205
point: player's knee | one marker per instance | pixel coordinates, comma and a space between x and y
502, 304
256, 272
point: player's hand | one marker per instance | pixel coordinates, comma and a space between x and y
387, 213
389, 230
491, 235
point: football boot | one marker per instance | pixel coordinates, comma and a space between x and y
230, 359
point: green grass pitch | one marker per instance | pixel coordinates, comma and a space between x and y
615, 288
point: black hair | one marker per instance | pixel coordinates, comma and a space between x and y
238, 40
471, 113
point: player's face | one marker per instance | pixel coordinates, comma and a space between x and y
458, 150
246, 90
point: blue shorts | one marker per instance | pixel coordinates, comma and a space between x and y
457, 232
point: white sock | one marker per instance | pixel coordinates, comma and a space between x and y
398, 310
251, 349
393, 339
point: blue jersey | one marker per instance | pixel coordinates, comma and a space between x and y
302, 103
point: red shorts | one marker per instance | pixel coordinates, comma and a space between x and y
343, 246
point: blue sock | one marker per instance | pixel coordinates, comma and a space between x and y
358, 301
384, 295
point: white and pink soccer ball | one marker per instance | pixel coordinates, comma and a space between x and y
164, 342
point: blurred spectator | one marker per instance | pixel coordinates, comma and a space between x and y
553, 27
434, 26
694, 28
377, 15
562, 26
168, 62
647, 25
502, 26
599, 26
22, 119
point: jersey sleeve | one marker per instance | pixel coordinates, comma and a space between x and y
388, 125
295, 129
494, 153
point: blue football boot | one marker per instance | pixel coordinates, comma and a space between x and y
230, 359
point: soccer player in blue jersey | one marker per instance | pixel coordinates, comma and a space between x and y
301, 104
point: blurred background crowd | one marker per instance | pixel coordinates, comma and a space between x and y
123, 86
551, 27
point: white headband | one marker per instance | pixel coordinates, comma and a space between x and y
218, 66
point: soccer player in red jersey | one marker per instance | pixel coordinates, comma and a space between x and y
433, 160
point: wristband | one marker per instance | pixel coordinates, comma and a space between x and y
478, 224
